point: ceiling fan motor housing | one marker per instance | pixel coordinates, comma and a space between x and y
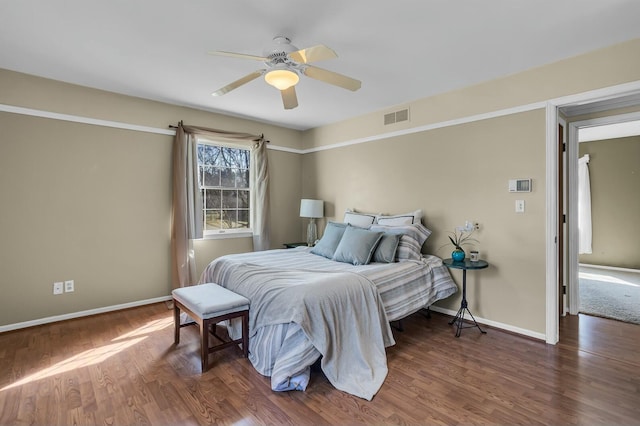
279, 51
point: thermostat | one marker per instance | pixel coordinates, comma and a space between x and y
519, 185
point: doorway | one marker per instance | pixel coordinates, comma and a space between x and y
601, 102
606, 127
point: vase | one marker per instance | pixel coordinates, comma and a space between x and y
457, 255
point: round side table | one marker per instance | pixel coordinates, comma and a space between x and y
464, 265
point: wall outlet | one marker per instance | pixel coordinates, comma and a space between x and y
519, 206
58, 287
69, 286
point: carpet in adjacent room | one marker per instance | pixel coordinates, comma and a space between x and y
610, 294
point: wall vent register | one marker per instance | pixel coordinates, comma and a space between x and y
396, 117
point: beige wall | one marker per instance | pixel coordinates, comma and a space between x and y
453, 173
615, 201
92, 203
461, 171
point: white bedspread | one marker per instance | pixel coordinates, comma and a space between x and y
339, 312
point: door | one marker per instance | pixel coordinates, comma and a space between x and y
561, 218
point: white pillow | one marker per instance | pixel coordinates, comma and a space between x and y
401, 219
362, 220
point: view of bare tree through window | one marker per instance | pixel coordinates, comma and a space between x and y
224, 183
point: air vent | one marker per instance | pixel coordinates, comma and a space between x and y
396, 117
402, 115
519, 185
389, 118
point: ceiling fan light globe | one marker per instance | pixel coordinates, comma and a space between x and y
281, 79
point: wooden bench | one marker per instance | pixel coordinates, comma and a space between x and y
208, 304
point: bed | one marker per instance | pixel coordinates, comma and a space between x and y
306, 305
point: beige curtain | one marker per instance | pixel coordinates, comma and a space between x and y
186, 214
260, 196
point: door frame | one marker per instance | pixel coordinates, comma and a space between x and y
552, 322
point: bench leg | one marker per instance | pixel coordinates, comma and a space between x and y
176, 323
204, 344
245, 334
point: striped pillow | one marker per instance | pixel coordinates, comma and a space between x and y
411, 240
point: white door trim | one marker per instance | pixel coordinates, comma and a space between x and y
551, 253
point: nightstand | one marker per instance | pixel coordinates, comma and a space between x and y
294, 245
465, 265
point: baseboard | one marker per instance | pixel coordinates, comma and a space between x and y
611, 268
80, 314
506, 327
105, 309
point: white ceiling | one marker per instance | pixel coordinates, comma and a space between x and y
609, 131
401, 50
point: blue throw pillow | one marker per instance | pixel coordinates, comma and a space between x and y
357, 246
386, 250
326, 247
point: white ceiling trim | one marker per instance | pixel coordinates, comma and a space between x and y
83, 120
427, 127
607, 93
590, 96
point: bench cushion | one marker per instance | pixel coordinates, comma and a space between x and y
210, 300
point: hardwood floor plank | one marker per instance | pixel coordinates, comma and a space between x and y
11, 404
123, 368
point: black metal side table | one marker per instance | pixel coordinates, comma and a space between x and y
294, 245
465, 265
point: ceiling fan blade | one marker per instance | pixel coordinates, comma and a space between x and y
238, 55
244, 80
289, 98
332, 78
313, 54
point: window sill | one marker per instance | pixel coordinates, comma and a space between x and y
226, 235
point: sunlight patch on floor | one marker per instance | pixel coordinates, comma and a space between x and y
97, 355
606, 278
84, 359
150, 327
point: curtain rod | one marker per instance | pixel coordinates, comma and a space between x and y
171, 126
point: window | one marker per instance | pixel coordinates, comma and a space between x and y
223, 173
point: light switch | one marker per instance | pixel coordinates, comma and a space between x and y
519, 206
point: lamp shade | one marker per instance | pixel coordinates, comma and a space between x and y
311, 208
281, 79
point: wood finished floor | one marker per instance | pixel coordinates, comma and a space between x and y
122, 368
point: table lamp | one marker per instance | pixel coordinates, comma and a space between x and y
312, 209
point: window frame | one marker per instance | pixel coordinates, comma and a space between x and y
224, 233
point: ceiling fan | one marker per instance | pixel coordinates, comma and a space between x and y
284, 65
